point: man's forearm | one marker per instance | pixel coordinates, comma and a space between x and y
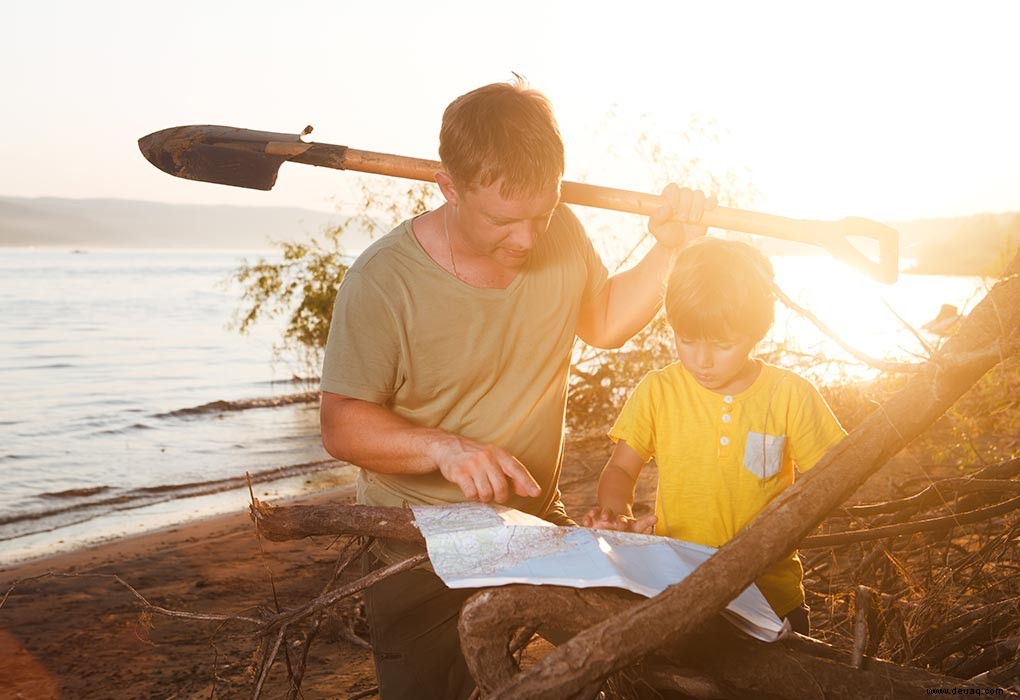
373, 437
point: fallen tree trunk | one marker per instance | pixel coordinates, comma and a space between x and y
280, 523
717, 662
988, 335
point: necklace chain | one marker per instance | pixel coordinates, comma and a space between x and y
446, 232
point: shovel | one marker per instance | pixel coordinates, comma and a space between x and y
245, 158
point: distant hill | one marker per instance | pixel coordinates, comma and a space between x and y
965, 245
972, 245
117, 223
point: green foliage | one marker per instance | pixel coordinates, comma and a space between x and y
302, 285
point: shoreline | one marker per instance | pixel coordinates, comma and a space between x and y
174, 511
116, 548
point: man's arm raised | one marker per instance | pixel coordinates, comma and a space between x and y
631, 298
373, 437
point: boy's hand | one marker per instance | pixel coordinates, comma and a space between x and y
676, 222
606, 519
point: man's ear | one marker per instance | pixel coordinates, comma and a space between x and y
447, 187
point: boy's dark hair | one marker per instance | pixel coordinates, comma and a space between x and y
504, 131
720, 289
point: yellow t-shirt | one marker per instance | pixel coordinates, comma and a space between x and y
722, 458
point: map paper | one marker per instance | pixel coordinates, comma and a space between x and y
474, 545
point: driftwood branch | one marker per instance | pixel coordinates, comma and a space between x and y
878, 533
626, 637
143, 603
280, 523
938, 492
717, 662
862, 632
323, 601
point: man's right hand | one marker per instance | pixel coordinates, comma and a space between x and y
482, 471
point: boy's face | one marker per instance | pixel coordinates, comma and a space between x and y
722, 365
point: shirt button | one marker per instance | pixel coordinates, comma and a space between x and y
727, 418
728, 399
724, 441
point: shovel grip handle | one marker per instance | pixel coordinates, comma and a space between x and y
831, 235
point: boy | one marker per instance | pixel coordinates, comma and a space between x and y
726, 429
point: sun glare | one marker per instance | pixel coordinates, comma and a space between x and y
870, 316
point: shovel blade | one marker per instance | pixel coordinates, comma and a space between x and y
219, 154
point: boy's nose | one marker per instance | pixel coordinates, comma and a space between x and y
705, 359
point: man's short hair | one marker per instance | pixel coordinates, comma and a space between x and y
502, 132
720, 289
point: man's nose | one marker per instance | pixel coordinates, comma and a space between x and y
526, 234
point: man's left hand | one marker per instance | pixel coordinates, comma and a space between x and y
676, 222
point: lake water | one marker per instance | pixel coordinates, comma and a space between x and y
109, 361
106, 361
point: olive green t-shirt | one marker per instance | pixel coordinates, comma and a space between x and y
488, 364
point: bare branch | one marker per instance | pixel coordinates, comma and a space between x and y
884, 365
878, 533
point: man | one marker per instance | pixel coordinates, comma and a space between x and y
445, 376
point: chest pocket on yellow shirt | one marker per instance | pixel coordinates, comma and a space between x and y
763, 455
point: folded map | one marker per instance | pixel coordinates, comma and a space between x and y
473, 545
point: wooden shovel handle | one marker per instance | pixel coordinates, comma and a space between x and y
831, 235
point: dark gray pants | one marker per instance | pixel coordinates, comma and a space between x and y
412, 617
800, 620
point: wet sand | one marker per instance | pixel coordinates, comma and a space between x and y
81, 636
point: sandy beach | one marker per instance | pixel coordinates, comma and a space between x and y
81, 636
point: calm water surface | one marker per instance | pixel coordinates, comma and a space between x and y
101, 356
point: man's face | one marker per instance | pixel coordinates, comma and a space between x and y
504, 229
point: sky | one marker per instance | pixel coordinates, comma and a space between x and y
885, 110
